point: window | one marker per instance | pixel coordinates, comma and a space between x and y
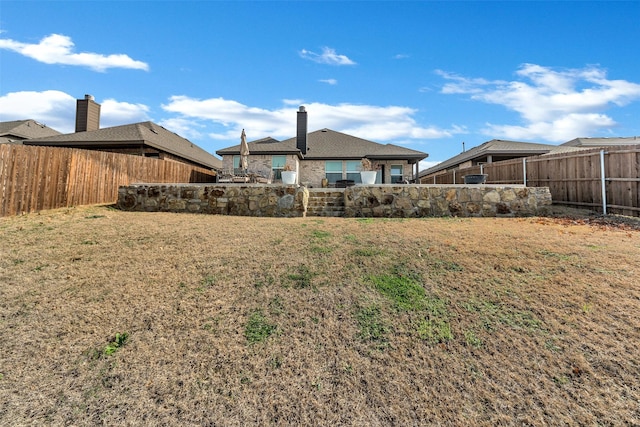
333, 171
236, 162
396, 174
353, 171
277, 165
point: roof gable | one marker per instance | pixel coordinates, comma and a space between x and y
24, 129
329, 144
493, 147
146, 133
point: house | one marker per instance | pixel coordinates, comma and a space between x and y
16, 131
491, 151
601, 142
326, 157
146, 139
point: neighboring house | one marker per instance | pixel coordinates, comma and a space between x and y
326, 156
491, 151
601, 142
143, 139
16, 131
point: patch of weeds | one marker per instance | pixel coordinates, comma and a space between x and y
587, 308
405, 292
321, 250
89, 242
370, 324
318, 221
367, 252
207, 283
471, 339
41, 267
403, 270
365, 220
435, 331
258, 329
276, 242
264, 281
492, 313
18, 261
550, 254
561, 380
275, 362
119, 341
320, 234
448, 265
351, 238
303, 277
276, 306
551, 345
94, 216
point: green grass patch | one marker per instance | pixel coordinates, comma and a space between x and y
371, 326
320, 234
435, 331
302, 278
406, 293
368, 252
118, 341
258, 329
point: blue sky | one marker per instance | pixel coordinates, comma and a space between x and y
426, 75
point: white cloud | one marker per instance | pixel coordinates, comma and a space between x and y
554, 105
331, 82
328, 56
366, 121
57, 110
58, 49
114, 113
53, 108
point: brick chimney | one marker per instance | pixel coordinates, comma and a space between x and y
87, 114
301, 135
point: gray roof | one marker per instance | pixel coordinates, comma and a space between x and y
326, 144
495, 147
602, 142
143, 133
19, 130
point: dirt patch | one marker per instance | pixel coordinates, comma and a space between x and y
112, 317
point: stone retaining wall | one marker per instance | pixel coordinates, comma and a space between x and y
276, 200
445, 200
268, 200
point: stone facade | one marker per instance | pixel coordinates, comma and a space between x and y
444, 200
268, 200
276, 200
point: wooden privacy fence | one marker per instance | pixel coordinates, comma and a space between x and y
39, 178
606, 180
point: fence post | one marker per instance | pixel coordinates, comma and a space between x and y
603, 183
454, 176
524, 171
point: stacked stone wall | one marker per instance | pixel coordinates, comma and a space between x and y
276, 200
232, 199
453, 200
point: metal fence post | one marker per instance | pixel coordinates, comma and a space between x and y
603, 183
524, 171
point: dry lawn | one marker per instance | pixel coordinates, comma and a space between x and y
236, 321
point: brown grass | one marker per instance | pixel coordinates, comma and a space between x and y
543, 315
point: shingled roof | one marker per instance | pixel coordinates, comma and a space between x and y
19, 130
143, 133
602, 142
327, 144
495, 147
